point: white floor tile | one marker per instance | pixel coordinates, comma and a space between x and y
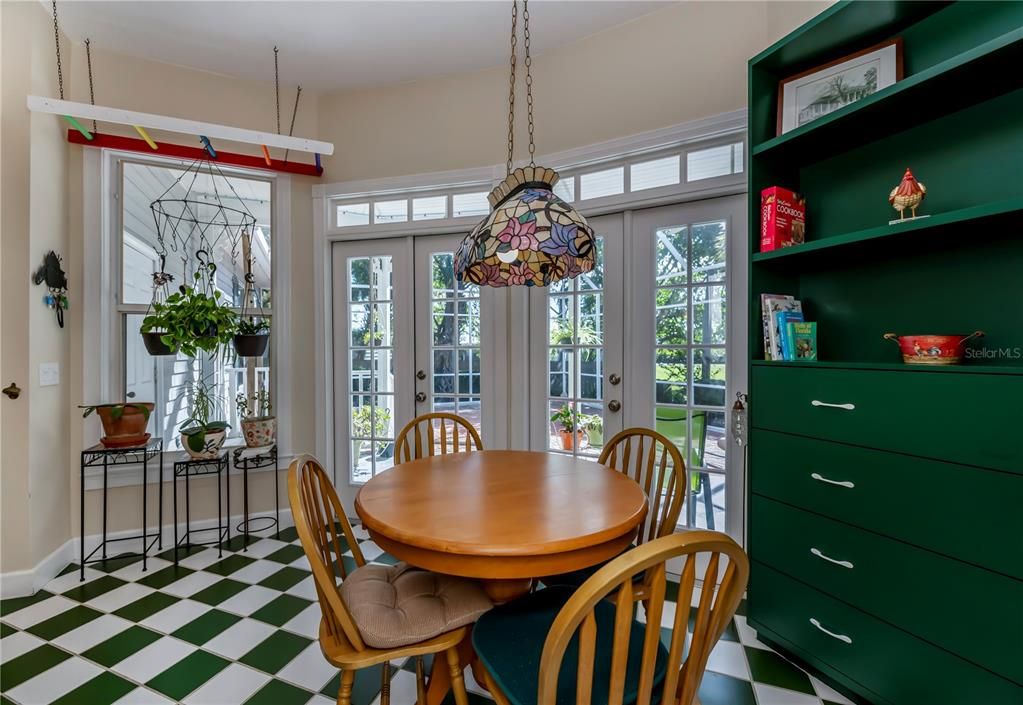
320, 700
238, 639
232, 686
306, 622
55, 682
200, 560
191, 584
119, 597
747, 635
144, 696
311, 671
403, 688
63, 583
40, 611
769, 695
88, 635
302, 563
254, 572
370, 550
826, 692
134, 570
729, 657
248, 600
153, 659
177, 615
16, 644
263, 548
306, 589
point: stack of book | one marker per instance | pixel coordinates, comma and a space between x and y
786, 335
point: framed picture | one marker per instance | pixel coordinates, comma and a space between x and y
812, 94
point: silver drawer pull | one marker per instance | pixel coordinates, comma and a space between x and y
840, 637
841, 483
846, 406
844, 564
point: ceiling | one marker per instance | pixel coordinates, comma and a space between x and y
331, 46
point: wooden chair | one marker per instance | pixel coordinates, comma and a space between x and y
588, 644
326, 533
448, 425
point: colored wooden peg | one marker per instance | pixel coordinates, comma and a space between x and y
145, 135
318, 166
207, 146
266, 155
78, 126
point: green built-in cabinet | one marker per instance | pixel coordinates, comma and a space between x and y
886, 534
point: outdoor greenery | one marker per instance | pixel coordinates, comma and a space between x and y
260, 406
362, 422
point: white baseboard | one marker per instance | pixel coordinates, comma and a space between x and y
26, 582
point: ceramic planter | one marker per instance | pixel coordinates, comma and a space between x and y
570, 439
595, 437
129, 429
211, 445
932, 349
155, 346
260, 431
251, 345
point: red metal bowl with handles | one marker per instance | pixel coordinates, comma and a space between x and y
932, 349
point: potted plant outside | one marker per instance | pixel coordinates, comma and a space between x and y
259, 427
201, 436
124, 424
593, 424
567, 426
189, 321
251, 336
363, 427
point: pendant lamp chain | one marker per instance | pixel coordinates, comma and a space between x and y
511, 83
529, 80
511, 86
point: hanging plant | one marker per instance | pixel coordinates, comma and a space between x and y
251, 336
191, 320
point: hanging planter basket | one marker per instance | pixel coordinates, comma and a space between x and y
251, 345
155, 345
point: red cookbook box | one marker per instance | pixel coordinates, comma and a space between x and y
782, 218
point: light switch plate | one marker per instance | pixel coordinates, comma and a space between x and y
49, 374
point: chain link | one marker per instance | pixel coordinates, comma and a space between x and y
511, 86
529, 80
56, 39
294, 112
277, 91
92, 93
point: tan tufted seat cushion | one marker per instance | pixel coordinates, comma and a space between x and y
398, 605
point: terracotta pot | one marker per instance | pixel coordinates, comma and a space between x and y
211, 445
155, 346
932, 349
127, 431
251, 345
569, 439
260, 431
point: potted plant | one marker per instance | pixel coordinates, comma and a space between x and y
189, 320
259, 428
364, 428
567, 427
124, 424
201, 435
251, 336
593, 424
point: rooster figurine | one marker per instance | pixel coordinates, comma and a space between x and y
908, 194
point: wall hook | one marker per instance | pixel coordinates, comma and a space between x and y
12, 390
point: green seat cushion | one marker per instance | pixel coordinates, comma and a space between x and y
509, 640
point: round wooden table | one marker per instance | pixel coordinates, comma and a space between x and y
504, 517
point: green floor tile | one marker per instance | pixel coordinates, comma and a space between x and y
280, 610
237, 543
121, 646
285, 578
387, 559
287, 554
205, 627
115, 563
146, 606
188, 674
770, 668
104, 689
229, 565
94, 588
671, 591
162, 578
279, 693
474, 699
183, 552
71, 568
742, 608
719, 689
219, 591
29, 665
289, 534
365, 689
6, 630
64, 622
13, 604
730, 633
275, 652
5, 701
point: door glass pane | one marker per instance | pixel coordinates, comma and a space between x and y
455, 347
690, 379
575, 355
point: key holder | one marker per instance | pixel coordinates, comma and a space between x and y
52, 274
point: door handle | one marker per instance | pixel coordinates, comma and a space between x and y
420, 397
614, 405
846, 406
614, 379
130, 395
420, 375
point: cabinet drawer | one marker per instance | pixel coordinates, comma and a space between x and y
933, 597
885, 661
954, 416
940, 506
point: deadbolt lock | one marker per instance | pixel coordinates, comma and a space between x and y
614, 379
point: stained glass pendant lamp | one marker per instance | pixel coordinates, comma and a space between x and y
531, 236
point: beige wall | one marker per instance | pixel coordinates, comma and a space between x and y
683, 62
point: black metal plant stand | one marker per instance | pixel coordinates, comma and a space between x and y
253, 459
220, 467
99, 455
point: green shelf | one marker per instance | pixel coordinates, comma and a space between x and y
938, 90
967, 369
974, 215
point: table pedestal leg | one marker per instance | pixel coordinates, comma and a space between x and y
506, 590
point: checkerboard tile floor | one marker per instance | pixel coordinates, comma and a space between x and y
241, 629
